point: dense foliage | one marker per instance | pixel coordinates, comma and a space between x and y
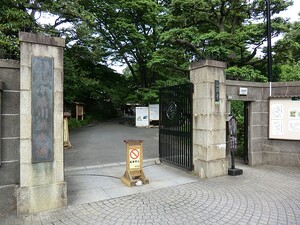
156, 39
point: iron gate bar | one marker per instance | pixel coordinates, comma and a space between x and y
176, 125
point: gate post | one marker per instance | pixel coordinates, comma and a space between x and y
42, 185
209, 122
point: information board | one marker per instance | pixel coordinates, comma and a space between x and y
284, 118
141, 116
154, 112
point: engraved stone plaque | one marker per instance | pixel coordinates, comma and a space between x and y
42, 109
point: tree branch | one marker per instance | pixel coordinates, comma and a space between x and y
188, 44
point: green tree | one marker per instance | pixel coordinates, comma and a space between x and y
228, 30
287, 55
245, 73
89, 81
15, 16
129, 30
24, 15
289, 72
87, 78
157, 39
287, 49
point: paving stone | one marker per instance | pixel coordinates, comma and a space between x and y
259, 196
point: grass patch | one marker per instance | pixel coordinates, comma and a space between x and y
73, 123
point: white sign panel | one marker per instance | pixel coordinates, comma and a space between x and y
134, 159
141, 116
284, 119
154, 112
243, 91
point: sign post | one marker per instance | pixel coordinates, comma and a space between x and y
67, 143
134, 163
232, 144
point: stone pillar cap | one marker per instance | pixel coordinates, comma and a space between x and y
40, 39
208, 63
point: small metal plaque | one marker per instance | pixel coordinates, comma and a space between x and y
217, 91
42, 109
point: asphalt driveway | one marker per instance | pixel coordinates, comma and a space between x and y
103, 143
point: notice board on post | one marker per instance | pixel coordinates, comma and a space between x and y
284, 118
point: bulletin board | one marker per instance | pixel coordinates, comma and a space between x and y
141, 116
284, 118
154, 112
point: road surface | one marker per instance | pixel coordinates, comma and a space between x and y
103, 143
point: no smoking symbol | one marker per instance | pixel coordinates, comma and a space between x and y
134, 153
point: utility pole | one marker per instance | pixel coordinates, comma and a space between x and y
269, 50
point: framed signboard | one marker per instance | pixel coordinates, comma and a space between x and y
141, 116
154, 112
284, 118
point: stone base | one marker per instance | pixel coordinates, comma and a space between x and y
8, 200
131, 177
235, 172
210, 169
41, 198
255, 158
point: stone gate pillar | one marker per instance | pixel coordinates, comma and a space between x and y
209, 126
42, 185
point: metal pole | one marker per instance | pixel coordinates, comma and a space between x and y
1, 89
269, 52
232, 160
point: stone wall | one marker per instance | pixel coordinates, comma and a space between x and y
263, 150
10, 133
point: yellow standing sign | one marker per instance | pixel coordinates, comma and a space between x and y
134, 163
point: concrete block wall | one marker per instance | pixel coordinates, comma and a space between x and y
10, 134
258, 116
263, 150
282, 152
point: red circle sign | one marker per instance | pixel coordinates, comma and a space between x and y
134, 153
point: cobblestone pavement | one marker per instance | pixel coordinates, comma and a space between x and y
262, 195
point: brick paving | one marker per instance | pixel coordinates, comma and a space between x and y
262, 195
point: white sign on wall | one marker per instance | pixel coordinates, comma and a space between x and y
141, 116
284, 119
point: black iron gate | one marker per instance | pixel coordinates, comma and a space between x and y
175, 126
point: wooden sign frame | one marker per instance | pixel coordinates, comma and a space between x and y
134, 163
284, 118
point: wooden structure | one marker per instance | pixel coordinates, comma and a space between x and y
79, 110
67, 143
134, 163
